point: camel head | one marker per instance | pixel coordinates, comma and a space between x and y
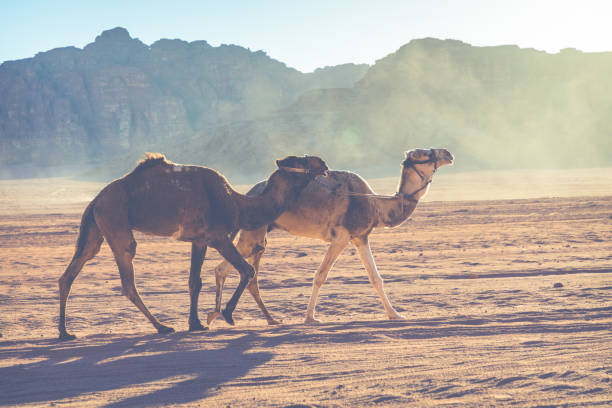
309, 166
419, 168
427, 161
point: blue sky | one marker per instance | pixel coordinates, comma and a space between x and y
310, 33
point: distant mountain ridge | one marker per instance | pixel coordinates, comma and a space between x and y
237, 110
494, 107
119, 96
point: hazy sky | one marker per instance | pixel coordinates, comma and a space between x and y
309, 34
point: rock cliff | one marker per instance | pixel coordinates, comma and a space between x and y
118, 96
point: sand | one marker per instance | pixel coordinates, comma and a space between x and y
507, 299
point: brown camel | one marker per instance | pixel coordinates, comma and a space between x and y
337, 209
190, 203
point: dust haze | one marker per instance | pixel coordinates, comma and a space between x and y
495, 108
503, 272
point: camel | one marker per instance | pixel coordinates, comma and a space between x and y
337, 209
190, 203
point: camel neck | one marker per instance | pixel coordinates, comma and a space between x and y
265, 208
392, 211
414, 184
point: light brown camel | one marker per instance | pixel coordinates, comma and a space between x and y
337, 209
190, 203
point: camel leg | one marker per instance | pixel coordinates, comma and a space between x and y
365, 253
231, 254
253, 288
249, 245
92, 243
198, 252
321, 275
123, 245
221, 272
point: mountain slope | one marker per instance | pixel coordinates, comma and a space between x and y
237, 110
118, 96
494, 107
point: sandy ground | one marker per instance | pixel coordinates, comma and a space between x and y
508, 301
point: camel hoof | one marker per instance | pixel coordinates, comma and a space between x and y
312, 320
211, 317
397, 316
197, 326
66, 336
165, 329
273, 322
228, 316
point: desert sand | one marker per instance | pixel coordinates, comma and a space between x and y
505, 280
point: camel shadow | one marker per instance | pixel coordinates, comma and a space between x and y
182, 368
367, 331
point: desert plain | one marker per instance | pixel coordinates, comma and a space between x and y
504, 280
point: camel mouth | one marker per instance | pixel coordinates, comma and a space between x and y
448, 158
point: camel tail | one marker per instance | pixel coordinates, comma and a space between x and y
89, 233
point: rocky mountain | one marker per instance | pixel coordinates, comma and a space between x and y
494, 107
118, 96
237, 110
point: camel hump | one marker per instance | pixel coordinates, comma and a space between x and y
344, 180
152, 160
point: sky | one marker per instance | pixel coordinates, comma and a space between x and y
309, 34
